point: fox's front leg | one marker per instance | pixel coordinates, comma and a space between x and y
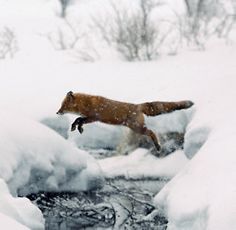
79, 122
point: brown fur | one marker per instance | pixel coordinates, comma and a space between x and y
97, 108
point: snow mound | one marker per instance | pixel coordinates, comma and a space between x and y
60, 124
35, 158
203, 194
195, 139
201, 203
98, 136
176, 121
10, 223
137, 165
14, 211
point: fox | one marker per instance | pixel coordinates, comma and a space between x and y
91, 108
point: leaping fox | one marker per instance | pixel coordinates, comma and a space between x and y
96, 108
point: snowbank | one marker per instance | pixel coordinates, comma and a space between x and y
10, 223
137, 165
35, 158
98, 136
203, 193
202, 196
14, 211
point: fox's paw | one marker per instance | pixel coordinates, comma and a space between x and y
158, 154
158, 147
73, 127
157, 151
81, 130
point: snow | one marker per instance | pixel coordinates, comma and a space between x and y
185, 80
202, 195
34, 158
203, 121
10, 223
107, 136
138, 163
14, 211
204, 191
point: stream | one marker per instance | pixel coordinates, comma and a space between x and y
120, 204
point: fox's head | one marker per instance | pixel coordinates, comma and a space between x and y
67, 104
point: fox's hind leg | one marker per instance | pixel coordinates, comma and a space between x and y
137, 125
152, 135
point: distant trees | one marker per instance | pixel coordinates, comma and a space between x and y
228, 22
133, 32
203, 19
8, 43
65, 37
137, 32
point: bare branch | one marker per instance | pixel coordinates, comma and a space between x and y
131, 31
8, 43
64, 6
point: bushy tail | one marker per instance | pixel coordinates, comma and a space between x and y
157, 107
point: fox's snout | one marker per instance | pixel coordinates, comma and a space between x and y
60, 112
189, 104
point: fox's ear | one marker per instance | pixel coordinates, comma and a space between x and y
70, 95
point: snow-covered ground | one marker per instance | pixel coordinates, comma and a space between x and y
137, 165
34, 158
14, 211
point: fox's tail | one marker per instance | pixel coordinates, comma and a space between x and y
157, 107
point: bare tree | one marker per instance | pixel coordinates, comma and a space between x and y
132, 32
228, 22
8, 43
202, 21
188, 7
64, 6
66, 37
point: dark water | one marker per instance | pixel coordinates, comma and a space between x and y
121, 204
